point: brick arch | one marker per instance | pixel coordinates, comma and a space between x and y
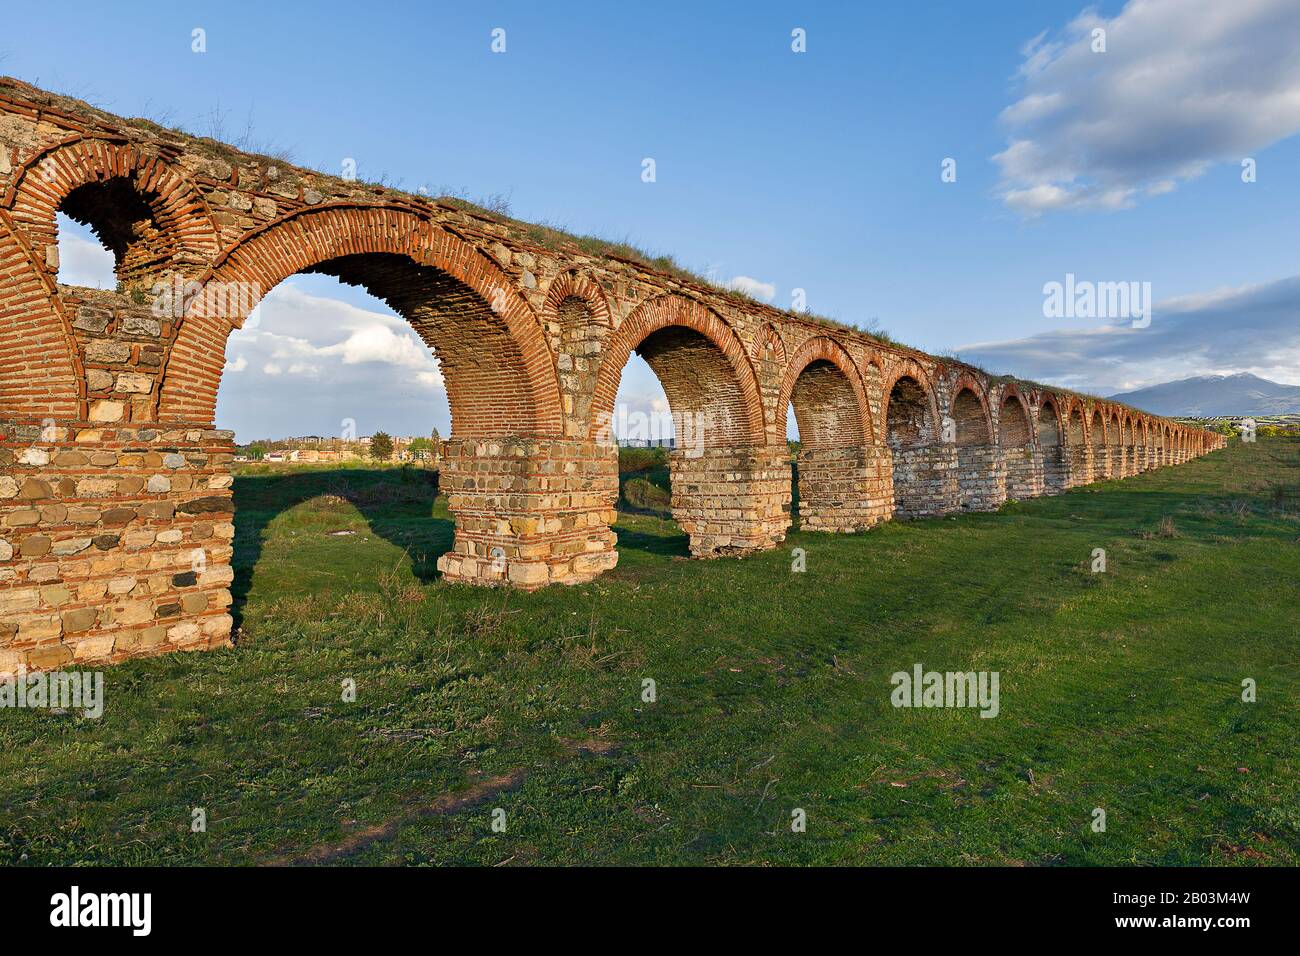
874, 357
1010, 394
910, 369
1049, 400
1095, 418
841, 407
572, 285
965, 382
769, 337
498, 368
701, 339
188, 234
1076, 422
40, 364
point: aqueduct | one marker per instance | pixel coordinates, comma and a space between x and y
116, 518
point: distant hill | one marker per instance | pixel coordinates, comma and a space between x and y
1206, 396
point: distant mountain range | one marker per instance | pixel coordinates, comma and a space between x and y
1206, 396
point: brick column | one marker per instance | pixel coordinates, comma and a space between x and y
731, 500
981, 477
115, 542
845, 489
925, 481
529, 511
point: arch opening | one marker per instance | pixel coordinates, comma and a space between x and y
981, 476
84, 260
330, 362
487, 388
1055, 467
1022, 461
725, 488
124, 220
826, 407
922, 469
842, 478
1097, 439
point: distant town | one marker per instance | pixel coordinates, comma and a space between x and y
380, 446
316, 448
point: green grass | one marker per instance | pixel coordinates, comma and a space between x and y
1120, 691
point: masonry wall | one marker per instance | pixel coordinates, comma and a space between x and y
116, 543
731, 501
1025, 472
981, 477
845, 489
925, 481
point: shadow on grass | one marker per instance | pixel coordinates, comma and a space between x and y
672, 543
396, 504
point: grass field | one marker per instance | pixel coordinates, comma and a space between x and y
1120, 691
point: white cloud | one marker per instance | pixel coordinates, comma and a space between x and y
1183, 84
1248, 329
314, 360
82, 260
299, 333
379, 343
764, 291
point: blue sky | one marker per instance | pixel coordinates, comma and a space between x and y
817, 170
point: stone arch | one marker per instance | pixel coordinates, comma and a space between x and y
499, 371
1099, 439
1076, 431
1117, 454
1049, 437
842, 474
1021, 458
701, 364
1050, 427
829, 398
144, 210
909, 409
1014, 418
721, 441
577, 315
1097, 428
981, 476
922, 468
970, 412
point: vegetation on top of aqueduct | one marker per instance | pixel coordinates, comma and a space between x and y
1119, 690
